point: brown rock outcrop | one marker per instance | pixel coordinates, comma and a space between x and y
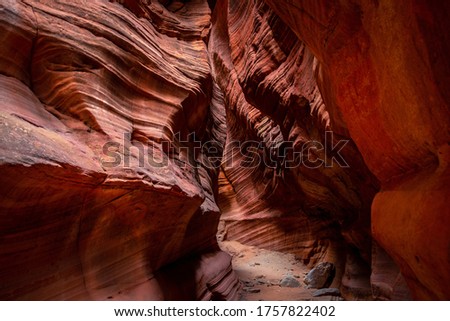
315, 209
374, 72
90, 92
387, 72
130, 128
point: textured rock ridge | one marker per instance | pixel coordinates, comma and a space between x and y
131, 131
372, 73
90, 91
272, 97
388, 74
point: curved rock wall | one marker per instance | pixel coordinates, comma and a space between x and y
388, 72
325, 124
372, 72
318, 208
91, 93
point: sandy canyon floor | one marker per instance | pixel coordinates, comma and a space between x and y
269, 275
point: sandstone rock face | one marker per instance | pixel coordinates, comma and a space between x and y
314, 209
387, 281
326, 131
372, 72
90, 92
384, 66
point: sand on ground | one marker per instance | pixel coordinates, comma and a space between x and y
261, 272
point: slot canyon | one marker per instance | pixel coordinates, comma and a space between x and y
167, 149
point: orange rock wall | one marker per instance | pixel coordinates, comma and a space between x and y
91, 92
269, 79
387, 71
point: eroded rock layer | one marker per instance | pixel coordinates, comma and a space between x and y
387, 71
93, 205
310, 203
374, 73
318, 128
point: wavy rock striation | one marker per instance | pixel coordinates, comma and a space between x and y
316, 209
130, 128
386, 70
94, 205
373, 73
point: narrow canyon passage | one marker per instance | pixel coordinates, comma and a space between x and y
222, 150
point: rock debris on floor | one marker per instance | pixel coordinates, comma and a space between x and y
272, 276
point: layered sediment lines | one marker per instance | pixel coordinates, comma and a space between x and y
385, 67
306, 203
372, 73
93, 204
130, 128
